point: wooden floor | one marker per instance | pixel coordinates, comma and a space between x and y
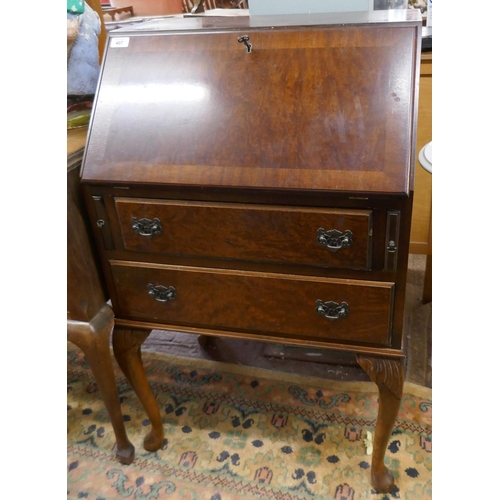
319, 363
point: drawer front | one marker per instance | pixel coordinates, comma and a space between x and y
319, 237
299, 307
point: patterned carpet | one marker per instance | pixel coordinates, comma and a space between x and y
233, 432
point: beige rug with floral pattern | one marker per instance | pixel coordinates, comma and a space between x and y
233, 432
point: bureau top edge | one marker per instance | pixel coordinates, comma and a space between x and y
404, 17
247, 195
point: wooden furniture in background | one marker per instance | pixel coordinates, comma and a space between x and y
96, 6
427, 294
90, 319
425, 161
257, 184
112, 12
151, 7
198, 6
421, 226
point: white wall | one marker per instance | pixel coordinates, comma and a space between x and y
270, 7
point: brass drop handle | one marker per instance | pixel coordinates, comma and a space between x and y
162, 293
334, 239
246, 40
332, 310
146, 227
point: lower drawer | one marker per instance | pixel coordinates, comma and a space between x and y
298, 307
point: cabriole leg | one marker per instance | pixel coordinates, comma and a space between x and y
127, 348
388, 374
93, 339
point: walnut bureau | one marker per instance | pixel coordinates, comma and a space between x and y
253, 178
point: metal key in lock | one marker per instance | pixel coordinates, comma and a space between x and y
246, 40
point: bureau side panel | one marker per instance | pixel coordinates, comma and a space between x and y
85, 284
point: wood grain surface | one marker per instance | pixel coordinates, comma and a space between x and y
193, 109
422, 207
258, 302
246, 232
87, 292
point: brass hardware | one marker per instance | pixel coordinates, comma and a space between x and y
246, 40
162, 293
391, 240
332, 310
334, 239
102, 222
146, 227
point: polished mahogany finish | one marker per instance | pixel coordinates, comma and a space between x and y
85, 282
342, 116
258, 303
90, 320
247, 232
253, 178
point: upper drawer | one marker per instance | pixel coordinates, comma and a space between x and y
320, 237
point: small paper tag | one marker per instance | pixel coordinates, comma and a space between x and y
369, 443
120, 42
